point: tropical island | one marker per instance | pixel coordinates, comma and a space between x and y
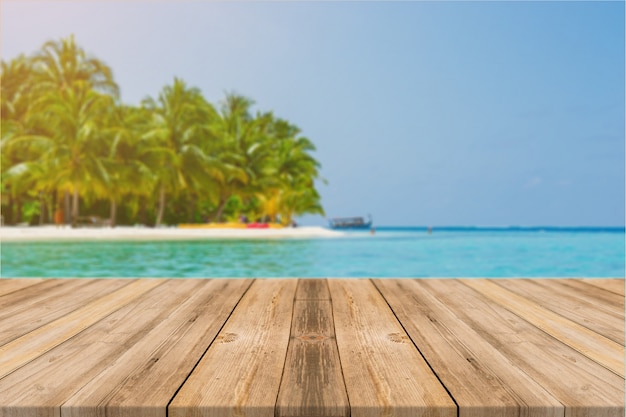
71, 148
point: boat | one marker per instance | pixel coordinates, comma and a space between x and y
350, 223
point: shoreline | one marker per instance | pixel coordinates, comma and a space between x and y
130, 233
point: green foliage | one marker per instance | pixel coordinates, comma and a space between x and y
174, 159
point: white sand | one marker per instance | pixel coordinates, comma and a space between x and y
51, 233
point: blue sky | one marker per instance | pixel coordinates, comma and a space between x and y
423, 113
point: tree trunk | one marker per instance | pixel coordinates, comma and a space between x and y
191, 208
42, 208
143, 212
66, 208
112, 217
75, 207
9, 216
161, 206
50, 207
220, 210
18, 210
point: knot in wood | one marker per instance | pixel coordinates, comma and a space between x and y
228, 337
312, 337
397, 337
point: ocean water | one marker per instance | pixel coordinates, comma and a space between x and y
391, 252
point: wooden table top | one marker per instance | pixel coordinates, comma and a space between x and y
311, 347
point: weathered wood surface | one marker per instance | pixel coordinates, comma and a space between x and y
25, 348
591, 344
584, 387
316, 348
384, 373
9, 285
604, 322
149, 373
599, 296
613, 285
47, 304
240, 373
312, 383
477, 375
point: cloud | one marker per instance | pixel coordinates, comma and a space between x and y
533, 182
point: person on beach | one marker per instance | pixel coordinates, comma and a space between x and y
58, 217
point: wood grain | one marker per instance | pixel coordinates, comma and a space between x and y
593, 345
312, 289
8, 286
479, 378
312, 383
32, 294
603, 322
384, 373
614, 285
31, 345
603, 300
43, 385
240, 373
50, 304
111, 348
584, 387
148, 374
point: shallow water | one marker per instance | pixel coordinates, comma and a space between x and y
388, 253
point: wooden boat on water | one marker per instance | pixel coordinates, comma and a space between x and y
356, 223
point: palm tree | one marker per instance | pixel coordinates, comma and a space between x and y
15, 77
19, 126
299, 199
290, 188
73, 88
63, 131
243, 147
73, 156
61, 64
16, 85
179, 128
128, 161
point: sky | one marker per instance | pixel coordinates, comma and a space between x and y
423, 113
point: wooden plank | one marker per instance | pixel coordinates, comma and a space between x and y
615, 285
604, 351
31, 345
18, 319
42, 386
312, 383
9, 285
148, 374
32, 294
584, 387
132, 351
384, 373
482, 381
240, 373
544, 293
603, 300
312, 289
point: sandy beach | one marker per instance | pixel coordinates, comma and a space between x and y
52, 233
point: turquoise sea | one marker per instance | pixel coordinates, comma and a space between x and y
391, 252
